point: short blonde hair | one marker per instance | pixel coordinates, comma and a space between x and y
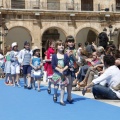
100, 49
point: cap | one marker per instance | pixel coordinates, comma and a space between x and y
14, 44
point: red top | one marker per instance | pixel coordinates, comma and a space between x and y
48, 66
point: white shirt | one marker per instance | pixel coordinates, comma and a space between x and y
21, 55
112, 78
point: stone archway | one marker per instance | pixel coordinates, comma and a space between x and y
52, 33
86, 34
18, 34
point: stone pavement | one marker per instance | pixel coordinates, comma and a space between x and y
89, 95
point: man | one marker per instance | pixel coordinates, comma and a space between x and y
112, 78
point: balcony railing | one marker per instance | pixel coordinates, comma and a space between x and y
32, 5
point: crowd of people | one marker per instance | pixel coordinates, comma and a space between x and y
89, 68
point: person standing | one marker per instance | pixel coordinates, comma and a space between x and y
15, 66
24, 58
7, 69
36, 64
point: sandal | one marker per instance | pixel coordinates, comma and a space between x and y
82, 84
76, 89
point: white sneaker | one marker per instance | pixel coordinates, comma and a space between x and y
38, 89
18, 85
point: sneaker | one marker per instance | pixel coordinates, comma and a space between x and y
70, 101
49, 91
6, 83
25, 86
14, 85
38, 89
18, 84
29, 88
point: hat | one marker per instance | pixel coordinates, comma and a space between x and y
26, 43
14, 44
35, 48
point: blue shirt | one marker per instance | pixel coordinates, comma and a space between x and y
36, 61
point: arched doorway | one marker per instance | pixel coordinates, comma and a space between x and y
86, 34
19, 35
52, 33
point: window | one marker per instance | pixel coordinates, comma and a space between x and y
118, 5
53, 4
18, 4
86, 5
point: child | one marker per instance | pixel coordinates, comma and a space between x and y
60, 63
7, 67
15, 66
36, 67
70, 50
24, 58
2, 60
48, 67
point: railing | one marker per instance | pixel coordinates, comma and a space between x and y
57, 6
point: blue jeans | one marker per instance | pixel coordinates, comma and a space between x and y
102, 92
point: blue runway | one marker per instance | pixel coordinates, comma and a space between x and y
22, 104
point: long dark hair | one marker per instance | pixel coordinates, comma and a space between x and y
48, 43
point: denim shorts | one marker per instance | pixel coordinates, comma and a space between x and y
27, 69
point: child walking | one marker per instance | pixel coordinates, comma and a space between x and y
15, 66
71, 51
24, 58
60, 63
36, 65
7, 69
48, 67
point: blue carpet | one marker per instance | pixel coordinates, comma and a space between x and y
22, 104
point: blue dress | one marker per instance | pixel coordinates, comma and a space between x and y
36, 61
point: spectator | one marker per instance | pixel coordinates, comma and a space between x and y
111, 75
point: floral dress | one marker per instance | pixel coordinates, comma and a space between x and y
59, 78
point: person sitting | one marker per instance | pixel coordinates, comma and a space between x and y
112, 78
84, 71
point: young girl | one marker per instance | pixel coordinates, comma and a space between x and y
36, 65
48, 67
24, 58
60, 63
70, 50
7, 67
15, 66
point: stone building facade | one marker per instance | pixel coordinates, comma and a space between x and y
39, 20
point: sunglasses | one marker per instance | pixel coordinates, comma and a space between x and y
60, 44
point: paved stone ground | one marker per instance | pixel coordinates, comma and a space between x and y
90, 95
